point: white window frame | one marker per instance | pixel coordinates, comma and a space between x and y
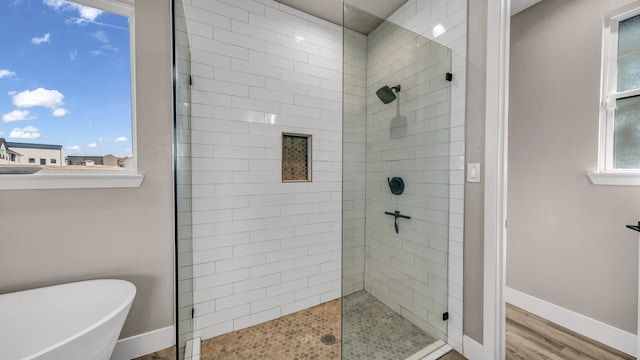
90, 179
606, 174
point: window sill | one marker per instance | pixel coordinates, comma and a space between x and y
62, 179
615, 178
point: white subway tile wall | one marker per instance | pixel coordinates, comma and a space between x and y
353, 196
422, 17
438, 191
262, 248
407, 270
261, 68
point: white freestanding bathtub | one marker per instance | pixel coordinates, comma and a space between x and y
75, 321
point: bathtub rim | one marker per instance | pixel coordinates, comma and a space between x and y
126, 302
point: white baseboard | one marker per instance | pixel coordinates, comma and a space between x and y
472, 350
594, 329
143, 344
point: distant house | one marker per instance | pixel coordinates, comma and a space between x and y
31, 154
92, 160
8, 156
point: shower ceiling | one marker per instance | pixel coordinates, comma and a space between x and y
331, 10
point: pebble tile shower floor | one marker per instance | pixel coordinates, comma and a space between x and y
375, 333
295, 336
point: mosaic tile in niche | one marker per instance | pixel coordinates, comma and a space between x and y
296, 157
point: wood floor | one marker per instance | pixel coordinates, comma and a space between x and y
452, 355
529, 337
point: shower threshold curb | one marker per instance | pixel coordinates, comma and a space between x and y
192, 349
432, 352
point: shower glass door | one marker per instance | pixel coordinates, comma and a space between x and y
396, 131
182, 179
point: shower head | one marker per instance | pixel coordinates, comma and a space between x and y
387, 94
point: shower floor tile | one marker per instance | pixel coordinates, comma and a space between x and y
374, 332
296, 336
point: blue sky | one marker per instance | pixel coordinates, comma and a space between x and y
64, 76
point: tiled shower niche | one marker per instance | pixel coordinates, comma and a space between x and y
296, 157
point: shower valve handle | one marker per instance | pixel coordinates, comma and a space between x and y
396, 214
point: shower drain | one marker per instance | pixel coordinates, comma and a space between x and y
328, 339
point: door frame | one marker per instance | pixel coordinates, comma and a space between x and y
495, 191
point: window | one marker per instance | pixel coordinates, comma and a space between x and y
620, 115
43, 161
84, 102
53, 161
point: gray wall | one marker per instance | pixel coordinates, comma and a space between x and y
39, 248
474, 153
567, 240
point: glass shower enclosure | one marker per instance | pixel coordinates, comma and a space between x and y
396, 106
396, 129
182, 180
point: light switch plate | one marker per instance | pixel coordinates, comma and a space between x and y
473, 172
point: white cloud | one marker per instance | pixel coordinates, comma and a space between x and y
6, 73
73, 54
101, 36
104, 49
109, 48
86, 13
46, 38
73, 147
106, 46
54, 3
17, 115
92, 145
60, 112
28, 132
121, 139
51, 99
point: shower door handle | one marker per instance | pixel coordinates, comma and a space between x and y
396, 214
